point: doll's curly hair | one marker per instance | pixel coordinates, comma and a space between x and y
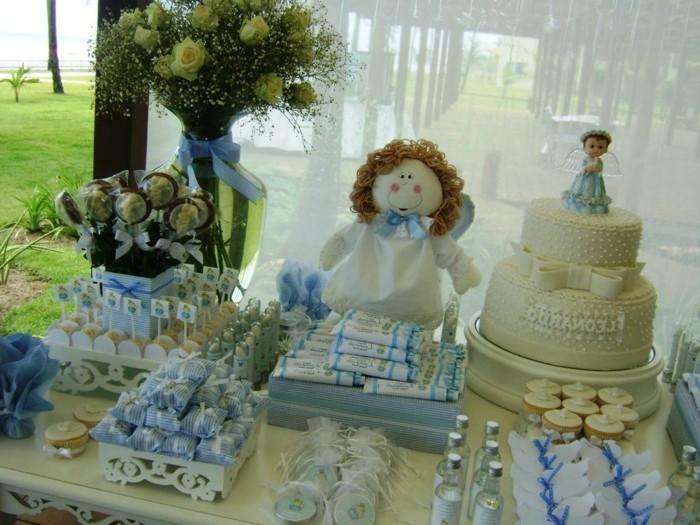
382, 161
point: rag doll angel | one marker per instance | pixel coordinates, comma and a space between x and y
407, 198
587, 193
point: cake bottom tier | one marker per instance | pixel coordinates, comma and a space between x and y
571, 328
488, 364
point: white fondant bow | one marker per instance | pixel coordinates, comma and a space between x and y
127, 241
551, 274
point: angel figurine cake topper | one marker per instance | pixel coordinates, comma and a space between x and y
587, 193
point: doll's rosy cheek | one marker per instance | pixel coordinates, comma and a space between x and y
395, 188
417, 188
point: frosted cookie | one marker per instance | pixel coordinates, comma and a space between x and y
579, 390
543, 385
628, 416
90, 414
580, 406
67, 439
563, 421
614, 396
602, 427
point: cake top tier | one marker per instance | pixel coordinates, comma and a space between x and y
602, 240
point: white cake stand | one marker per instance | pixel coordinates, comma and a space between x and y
500, 376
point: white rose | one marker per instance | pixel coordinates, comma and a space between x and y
301, 95
269, 88
130, 18
254, 31
203, 18
156, 15
146, 38
162, 66
188, 58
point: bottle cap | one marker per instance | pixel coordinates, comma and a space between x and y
462, 421
491, 446
492, 428
689, 453
454, 460
455, 439
496, 468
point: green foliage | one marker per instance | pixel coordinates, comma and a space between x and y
9, 251
18, 79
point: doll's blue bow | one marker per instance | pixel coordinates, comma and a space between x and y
412, 222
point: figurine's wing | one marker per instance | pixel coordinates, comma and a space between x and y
611, 166
466, 217
572, 162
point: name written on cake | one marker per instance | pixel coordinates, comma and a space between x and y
590, 326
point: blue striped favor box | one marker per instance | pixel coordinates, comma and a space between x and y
141, 288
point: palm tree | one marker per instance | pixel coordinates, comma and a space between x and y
18, 79
53, 47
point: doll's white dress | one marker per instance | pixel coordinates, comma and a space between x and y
394, 275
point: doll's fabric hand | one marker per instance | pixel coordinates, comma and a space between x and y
464, 274
332, 251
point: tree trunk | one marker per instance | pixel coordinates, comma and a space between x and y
53, 47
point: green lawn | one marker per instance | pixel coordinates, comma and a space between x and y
44, 137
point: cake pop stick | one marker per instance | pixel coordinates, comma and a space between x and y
133, 308
62, 295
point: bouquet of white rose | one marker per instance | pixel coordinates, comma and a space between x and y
213, 59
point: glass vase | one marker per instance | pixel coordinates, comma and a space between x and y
235, 237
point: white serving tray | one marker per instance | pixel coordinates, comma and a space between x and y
198, 479
88, 372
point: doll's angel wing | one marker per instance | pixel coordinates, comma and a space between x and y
611, 166
573, 161
466, 217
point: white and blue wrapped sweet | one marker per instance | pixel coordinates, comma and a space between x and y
208, 393
130, 407
112, 430
203, 422
179, 445
153, 379
26, 372
173, 393
374, 328
232, 404
167, 419
219, 449
193, 369
254, 404
147, 439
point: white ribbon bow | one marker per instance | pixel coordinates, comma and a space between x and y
551, 274
179, 251
128, 241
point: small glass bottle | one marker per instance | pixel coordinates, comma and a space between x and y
450, 320
679, 480
491, 453
447, 496
214, 350
455, 445
491, 430
488, 508
228, 339
689, 503
461, 427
